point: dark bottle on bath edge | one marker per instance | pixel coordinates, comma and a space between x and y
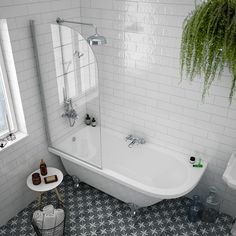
94, 123
87, 120
43, 168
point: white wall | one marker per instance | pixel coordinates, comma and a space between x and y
139, 76
17, 162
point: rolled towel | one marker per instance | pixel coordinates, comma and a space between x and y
60, 215
49, 221
38, 218
233, 230
49, 209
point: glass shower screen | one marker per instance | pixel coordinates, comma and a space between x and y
68, 75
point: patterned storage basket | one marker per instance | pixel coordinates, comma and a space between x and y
56, 231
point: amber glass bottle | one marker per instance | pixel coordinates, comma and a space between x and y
43, 168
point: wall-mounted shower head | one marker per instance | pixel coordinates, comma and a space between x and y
95, 39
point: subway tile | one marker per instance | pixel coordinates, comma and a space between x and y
103, 4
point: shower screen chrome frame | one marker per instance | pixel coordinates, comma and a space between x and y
95, 39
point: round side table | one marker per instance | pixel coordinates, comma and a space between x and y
42, 187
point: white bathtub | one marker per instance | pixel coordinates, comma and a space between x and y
142, 175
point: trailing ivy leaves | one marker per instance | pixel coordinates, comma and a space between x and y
209, 42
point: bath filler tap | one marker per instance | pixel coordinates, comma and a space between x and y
134, 140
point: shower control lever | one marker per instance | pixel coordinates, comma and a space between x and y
129, 137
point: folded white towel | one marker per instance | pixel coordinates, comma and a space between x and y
49, 209
60, 215
49, 221
38, 218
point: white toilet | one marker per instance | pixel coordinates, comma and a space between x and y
229, 177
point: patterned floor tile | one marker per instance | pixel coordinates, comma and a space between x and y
90, 212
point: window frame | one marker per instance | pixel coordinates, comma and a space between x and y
10, 111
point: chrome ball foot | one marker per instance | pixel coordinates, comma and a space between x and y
133, 209
76, 181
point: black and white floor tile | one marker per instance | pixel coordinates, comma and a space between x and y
91, 212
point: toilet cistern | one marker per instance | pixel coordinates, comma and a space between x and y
229, 177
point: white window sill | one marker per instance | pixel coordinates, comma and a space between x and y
19, 136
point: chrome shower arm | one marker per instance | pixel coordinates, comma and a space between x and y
95, 39
61, 21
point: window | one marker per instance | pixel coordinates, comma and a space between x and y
7, 116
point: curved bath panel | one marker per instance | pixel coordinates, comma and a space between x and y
143, 175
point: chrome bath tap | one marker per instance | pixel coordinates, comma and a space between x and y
134, 140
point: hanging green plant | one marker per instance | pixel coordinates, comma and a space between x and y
209, 42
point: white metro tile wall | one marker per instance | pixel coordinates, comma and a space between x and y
141, 90
22, 158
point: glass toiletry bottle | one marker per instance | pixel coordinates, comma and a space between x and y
195, 210
212, 206
87, 120
43, 168
94, 123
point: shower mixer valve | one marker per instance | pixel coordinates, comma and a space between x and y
70, 112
